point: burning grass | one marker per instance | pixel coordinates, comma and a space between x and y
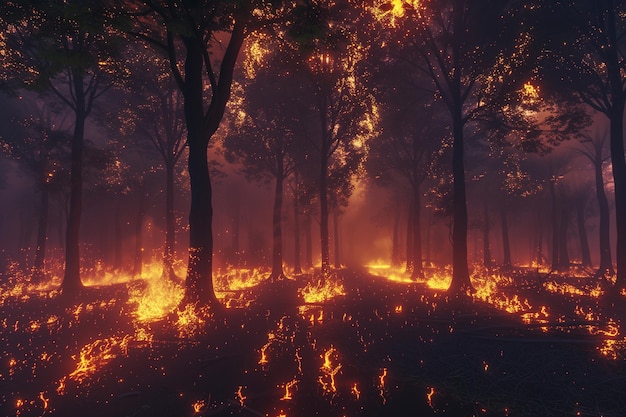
353, 343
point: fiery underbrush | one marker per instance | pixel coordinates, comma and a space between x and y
351, 343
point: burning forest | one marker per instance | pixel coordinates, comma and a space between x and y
312, 208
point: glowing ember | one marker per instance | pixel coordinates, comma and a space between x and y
199, 406
95, 355
289, 389
154, 297
381, 385
323, 290
355, 391
191, 320
240, 397
429, 397
329, 370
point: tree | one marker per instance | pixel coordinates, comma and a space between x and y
202, 40
41, 146
264, 140
346, 113
153, 113
593, 148
453, 43
590, 36
67, 48
406, 150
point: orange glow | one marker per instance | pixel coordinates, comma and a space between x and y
529, 93
288, 389
429, 397
322, 290
329, 371
381, 385
199, 406
95, 355
355, 391
240, 397
44, 400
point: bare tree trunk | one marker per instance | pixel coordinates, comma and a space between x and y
170, 223
117, 262
564, 261
324, 235
277, 234
582, 233
409, 239
618, 162
486, 244
418, 271
42, 237
555, 227
72, 284
308, 241
336, 237
460, 272
297, 267
138, 259
395, 239
506, 244
606, 261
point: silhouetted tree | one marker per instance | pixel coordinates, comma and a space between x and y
66, 48
202, 40
591, 41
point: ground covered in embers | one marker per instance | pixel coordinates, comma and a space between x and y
383, 348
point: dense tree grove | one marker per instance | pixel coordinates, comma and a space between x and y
462, 115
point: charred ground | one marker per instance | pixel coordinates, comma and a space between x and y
384, 348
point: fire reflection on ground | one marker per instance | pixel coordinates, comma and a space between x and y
357, 343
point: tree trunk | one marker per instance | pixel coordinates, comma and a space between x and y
117, 262
170, 223
418, 271
506, 244
606, 262
297, 267
409, 239
72, 284
460, 272
486, 244
200, 128
582, 233
141, 214
616, 117
555, 227
538, 239
336, 237
308, 242
277, 235
324, 235
199, 280
42, 237
395, 239
564, 261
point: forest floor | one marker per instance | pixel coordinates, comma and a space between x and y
383, 348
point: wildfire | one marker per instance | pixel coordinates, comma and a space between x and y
191, 320
97, 354
322, 291
152, 296
329, 370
